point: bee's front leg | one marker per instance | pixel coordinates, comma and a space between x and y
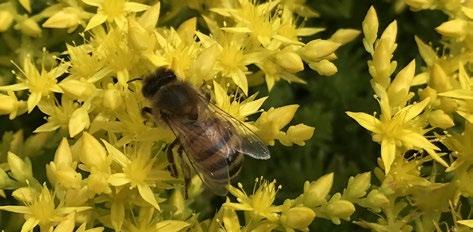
146, 110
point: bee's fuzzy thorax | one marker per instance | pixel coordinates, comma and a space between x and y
154, 81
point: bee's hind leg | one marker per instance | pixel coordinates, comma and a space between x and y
186, 171
172, 164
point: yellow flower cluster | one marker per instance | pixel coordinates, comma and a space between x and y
109, 168
424, 116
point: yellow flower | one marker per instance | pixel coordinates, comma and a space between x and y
260, 203
400, 129
10, 105
39, 83
62, 170
148, 221
256, 19
95, 161
67, 14
270, 123
58, 115
139, 171
239, 110
42, 211
112, 11
462, 147
86, 64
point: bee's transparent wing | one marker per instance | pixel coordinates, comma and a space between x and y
215, 177
251, 144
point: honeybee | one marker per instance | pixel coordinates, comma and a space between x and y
214, 142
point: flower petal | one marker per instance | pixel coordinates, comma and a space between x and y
49, 126
118, 179
240, 80
436, 157
16, 209
33, 100
388, 153
148, 195
365, 120
116, 154
95, 21
135, 7
171, 225
29, 224
413, 110
251, 107
14, 87
95, 3
411, 138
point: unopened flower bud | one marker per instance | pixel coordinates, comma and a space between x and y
344, 36
77, 88
5, 181
376, 200
9, 104
440, 119
298, 218
64, 176
79, 121
439, 79
317, 49
66, 18
20, 169
112, 99
324, 67
370, 29
340, 209
357, 186
429, 93
29, 27
35, 143
91, 152
315, 193
290, 61
6, 19
63, 155
448, 105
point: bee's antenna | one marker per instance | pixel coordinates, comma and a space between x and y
135, 79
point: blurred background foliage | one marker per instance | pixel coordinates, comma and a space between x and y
339, 144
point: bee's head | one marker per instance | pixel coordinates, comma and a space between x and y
153, 82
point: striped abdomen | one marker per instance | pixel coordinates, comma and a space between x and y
212, 146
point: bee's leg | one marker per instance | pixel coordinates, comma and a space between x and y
172, 165
186, 170
206, 92
146, 110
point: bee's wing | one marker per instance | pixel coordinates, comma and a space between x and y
251, 144
191, 141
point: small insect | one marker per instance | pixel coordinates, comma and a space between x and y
214, 142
